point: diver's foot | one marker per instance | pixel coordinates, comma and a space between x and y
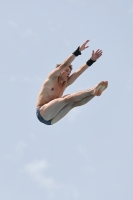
100, 88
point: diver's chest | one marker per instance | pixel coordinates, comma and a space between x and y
57, 90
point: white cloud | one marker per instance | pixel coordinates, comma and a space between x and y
36, 167
36, 170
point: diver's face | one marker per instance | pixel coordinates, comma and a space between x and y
66, 73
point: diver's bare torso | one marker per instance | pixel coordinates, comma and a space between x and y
50, 90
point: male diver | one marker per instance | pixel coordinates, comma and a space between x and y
51, 105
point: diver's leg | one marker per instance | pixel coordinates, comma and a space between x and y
69, 106
51, 109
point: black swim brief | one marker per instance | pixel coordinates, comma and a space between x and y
40, 118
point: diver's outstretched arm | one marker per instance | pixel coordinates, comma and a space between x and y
94, 57
69, 60
75, 75
76, 53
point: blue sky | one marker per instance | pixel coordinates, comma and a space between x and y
88, 154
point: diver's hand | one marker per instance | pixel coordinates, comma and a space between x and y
83, 46
96, 55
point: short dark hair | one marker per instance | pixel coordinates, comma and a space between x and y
70, 66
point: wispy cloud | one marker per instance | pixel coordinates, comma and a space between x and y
36, 167
36, 170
